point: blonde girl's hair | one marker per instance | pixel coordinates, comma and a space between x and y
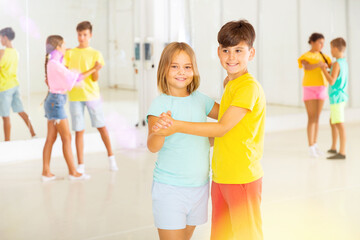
169, 51
52, 42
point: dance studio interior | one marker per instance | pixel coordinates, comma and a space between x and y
303, 197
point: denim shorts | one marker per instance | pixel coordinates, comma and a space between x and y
10, 99
54, 106
77, 114
175, 207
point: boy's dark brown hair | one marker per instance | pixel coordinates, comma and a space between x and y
232, 33
85, 25
8, 32
339, 43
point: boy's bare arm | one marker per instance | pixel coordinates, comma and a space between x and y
334, 73
95, 76
231, 117
154, 141
308, 66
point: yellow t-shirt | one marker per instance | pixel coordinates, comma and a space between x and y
83, 59
8, 69
237, 155
313, 77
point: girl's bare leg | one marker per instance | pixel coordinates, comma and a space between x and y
50, 140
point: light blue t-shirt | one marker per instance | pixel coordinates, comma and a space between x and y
184, 159
337, 92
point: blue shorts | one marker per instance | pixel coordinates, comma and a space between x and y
95, 112
10, 99
54, 106
175, 207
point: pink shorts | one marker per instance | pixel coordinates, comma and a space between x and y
316, 92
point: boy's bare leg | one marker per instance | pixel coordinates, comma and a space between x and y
341, 128
26, 119
106, 139
7, 128
334, 135
64, 131
79, 143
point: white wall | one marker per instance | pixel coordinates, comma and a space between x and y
282, 27
353, 51
204, 39
278, 42
121, 44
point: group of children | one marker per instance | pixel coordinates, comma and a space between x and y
177, 126
73, 71
319, 72
179, 132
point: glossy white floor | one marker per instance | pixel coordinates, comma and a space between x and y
303, 198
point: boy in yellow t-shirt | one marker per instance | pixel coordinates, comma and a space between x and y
9, 85
239, 138
87, 94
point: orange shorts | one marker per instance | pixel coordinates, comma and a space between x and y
236, 211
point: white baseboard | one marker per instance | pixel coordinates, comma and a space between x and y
132, 138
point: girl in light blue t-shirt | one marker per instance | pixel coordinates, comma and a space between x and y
181, 176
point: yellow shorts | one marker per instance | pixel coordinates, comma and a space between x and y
337, 112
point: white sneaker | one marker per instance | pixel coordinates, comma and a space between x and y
48, 179
82, 177
112, 164
81, 168
312, 152
318, 151
113, 167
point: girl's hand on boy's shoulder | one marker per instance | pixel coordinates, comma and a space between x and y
226, 80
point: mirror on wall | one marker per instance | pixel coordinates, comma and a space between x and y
32, 21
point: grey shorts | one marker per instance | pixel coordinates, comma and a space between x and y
95, 111
175, 207
10, 99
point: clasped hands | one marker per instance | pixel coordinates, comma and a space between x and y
165, 125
